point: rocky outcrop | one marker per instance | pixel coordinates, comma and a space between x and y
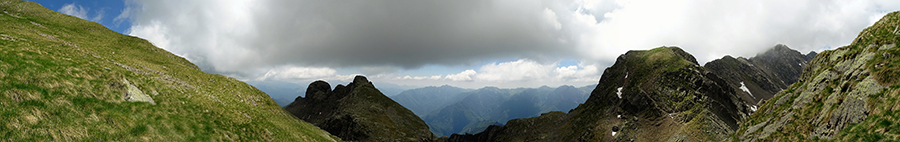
843, 94
134, 94
759, 78
358, 112
653, 95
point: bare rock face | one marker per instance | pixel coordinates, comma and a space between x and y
358, 112
761, 77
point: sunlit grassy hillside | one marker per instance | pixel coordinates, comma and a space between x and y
63, 79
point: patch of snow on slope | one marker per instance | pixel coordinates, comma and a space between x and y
753, 108
744, 87
619, 92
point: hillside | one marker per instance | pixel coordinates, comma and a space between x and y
67, 79
652, 95
760, 77
358, 112
846, 94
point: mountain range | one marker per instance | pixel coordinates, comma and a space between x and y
449, 110
760, 77
67, 79
846, 94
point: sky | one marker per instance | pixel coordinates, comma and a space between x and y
467, 43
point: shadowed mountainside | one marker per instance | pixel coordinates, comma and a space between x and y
358, 112
760, 77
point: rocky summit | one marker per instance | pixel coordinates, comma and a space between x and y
653, 95
759, 78
846, 94
63, 78
358, 112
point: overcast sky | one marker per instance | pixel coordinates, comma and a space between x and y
469, 43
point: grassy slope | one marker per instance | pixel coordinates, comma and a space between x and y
61, 79
881, 109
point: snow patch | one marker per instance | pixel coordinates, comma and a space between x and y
619, 92
744, 87
753, 108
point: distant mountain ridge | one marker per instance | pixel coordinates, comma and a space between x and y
449, 110
425, 100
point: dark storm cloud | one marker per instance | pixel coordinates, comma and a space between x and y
400, 33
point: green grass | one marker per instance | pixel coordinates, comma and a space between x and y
60, 81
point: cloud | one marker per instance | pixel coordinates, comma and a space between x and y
248, 39
467, 75
712, 29
80, 12
228, 36
519, 73
290, 73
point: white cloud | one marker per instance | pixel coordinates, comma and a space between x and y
80, 12
520, 70
710, 29
519, 73
551, 17
434, 77
467, 75
301, 74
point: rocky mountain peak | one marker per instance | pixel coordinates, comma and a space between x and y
760, 77
359, 79
317, 90
358, 112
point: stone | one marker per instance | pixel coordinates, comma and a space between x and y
134, 94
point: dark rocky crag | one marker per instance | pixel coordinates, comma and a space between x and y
358, 112
653, 95
760, 77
